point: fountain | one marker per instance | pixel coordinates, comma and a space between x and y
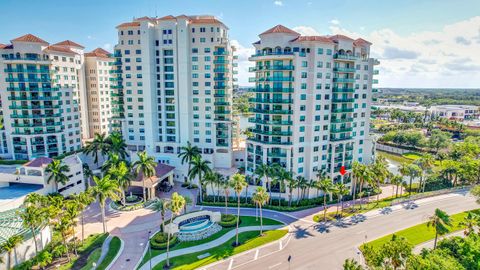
195, 226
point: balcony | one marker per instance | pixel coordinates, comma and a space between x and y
220, 95
277, 154
374, 81
272, 67
345, 57
270, 142
221, 112
262, 100
273, 90
344, 70
343, 100
220, 62
20, 107
374, 90
221, 103
271, 132
341, 120
342, 110
37, 70
341, 138
32, 98
221, 70
343, 90
270, 122
341, 130
376, 72
29, 80
46, 89
344, 80
271, 79
272, 111
24, 116
9, 58
218, 78
217, 53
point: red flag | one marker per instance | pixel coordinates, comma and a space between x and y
342, 170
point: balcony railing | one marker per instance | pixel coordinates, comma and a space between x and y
270, 142
343, 100
273, 90
342, 110
344, 80
344, 70
345, 57
263, 100
269, 122
272, 111
271, 67
271, 132
343, 90
342, 120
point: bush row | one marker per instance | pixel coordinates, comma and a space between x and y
130, 207
159, 241
228, 221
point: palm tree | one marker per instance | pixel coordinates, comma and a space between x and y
175, 206
211, 178
10, 245
112, 160
265, 171
470, 221
122, 175
351, 264
104, 189
260, 197
238, 183
87, 174
321, 175
32, 218
396, 181
342, 190
187, 153
226, 190
440, 222
161, 206
380, 170
413, 171
71, 212
117, 145
84, 199
57, 173
325, 186
188, 201
291, 184
199, 167
425, 163
145, 165
301, 185
358, 170
99, 145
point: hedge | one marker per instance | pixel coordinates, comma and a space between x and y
13, 162
229, 221
159, 241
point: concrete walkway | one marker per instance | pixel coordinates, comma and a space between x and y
105, 247
215, 243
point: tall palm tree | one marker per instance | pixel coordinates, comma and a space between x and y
122, 175
112, 160
10, 245
351, 264
470, 221
440, 221
396, 181
380, 170
71, 212
342, 190
321, 175
104, 189
57, 173
301, 185
326, 186
161, 206
145, 165
226, 190
117, 145
175, 206
84, 199
425, 163
199, 167
358, 169
238, 183
211, 178
187, 153
265, 171
32, 218
99, 145
87, 174
291, 183
260, 197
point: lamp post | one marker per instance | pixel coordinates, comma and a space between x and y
149, 249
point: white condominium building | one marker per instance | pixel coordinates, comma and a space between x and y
42, 94
175, 81
99, 78
312, 103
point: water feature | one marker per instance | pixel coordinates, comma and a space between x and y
195, 225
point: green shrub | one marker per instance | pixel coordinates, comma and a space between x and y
228, 221
159, 240
13, 162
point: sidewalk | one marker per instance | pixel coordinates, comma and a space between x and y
217, 242
429, 244
105, 247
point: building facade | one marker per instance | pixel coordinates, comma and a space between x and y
312, 103
99, 78
43, 93
174, 85
456, 112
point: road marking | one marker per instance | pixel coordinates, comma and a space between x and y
273, 266
280, 244
256, 254
231, 264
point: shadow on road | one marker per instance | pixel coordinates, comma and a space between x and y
300, 232
386, 211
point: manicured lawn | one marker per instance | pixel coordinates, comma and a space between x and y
396, 158
113, 249
245, 221
92, 242
249, 241
412, 155
93, 257
420, 233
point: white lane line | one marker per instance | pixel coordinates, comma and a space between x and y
273, 266
280, 245
231, 264
256, 254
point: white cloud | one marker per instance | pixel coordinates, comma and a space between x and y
278, 3
306, 30
243, 64
335, 22
107, 46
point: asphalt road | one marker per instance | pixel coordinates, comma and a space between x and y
316, 246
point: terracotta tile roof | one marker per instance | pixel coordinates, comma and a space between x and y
98, 52
56, 48
69, 43
280, 29
337, 37
361, 41
2, 46
312, 38
160, 171
129, 24
39, 162
144, 18
165, 18
30, 38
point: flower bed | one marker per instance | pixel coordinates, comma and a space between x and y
128, 207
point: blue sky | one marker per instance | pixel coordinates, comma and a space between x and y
412, 38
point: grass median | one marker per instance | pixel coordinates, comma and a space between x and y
420, 233
113, 249
245, 221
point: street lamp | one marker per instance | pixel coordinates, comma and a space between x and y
149, 249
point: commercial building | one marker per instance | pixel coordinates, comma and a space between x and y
174, 85
312, 103
99, 79
43, 92
456, 112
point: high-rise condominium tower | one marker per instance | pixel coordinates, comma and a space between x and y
312, 103
175, 86
43, 93
99, 78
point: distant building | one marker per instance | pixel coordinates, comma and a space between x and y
456, 112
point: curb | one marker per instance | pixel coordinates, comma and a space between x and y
122, 246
